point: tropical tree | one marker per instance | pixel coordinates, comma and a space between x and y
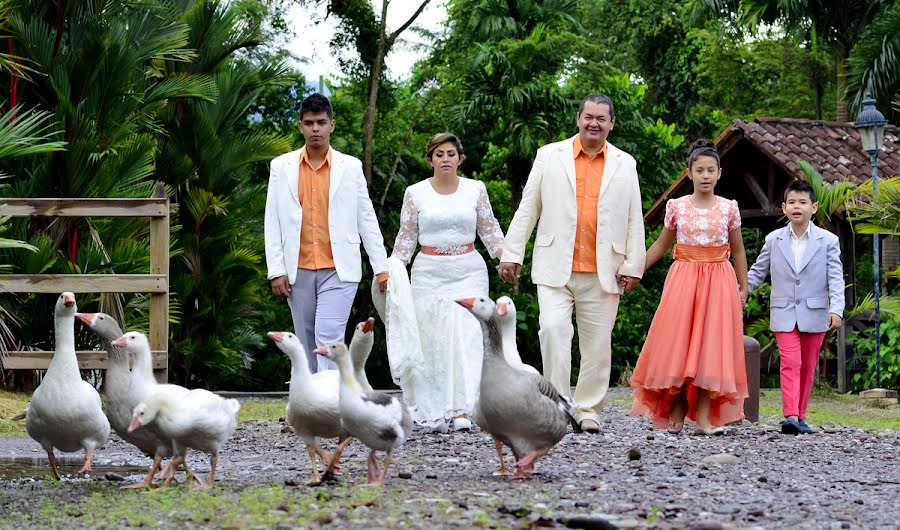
875, 63
837, 26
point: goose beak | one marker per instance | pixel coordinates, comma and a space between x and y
369, 325
87, 318
119, 342
135, 424
277, 336
68, 299
322, 350
468, 303
502, 309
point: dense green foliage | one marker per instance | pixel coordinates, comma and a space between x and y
198, 95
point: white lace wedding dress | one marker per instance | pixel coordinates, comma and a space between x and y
450, 336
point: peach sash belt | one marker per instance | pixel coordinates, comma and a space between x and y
449, 250
697, 254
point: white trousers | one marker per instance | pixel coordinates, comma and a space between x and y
595, 315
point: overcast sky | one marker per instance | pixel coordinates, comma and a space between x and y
312, 40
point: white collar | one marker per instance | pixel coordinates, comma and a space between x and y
806, 234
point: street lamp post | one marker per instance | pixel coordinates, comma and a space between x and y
870, 124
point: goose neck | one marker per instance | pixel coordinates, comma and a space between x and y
65, 343
492, 337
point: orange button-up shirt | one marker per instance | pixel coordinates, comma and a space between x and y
312, 188
588, 176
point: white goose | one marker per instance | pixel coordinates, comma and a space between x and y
507, 311
520, 409
197, 420
380, 421
65, 412
360, 347
313, 408
117, 380
143, 385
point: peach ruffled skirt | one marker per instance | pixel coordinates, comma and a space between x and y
695, 342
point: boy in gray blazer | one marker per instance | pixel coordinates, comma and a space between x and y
807, 297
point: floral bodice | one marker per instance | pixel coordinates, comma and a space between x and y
435, 220
705, 227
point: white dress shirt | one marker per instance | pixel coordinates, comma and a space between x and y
798, 245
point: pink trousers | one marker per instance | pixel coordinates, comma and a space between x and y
799, 358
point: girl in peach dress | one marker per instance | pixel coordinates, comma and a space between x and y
692, 363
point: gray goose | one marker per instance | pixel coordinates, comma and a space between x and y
518, 408
380, 421
117, 381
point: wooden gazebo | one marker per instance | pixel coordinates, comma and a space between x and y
759, 159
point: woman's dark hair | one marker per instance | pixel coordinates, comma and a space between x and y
703, 147
316, 104
442, 138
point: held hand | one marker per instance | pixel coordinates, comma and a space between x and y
281, 287
509, 272
834, 321
744, 294
627, 283
382, 286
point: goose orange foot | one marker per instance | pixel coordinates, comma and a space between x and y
86, 468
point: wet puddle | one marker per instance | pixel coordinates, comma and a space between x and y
39, 468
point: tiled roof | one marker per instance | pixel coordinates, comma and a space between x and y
832, 148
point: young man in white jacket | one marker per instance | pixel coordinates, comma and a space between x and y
318, 211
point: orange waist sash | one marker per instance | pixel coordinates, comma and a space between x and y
697, 254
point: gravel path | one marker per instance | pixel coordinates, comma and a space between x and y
629, 476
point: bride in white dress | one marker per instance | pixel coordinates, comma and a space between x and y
443, 214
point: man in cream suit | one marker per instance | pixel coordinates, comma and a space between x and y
317, 212
583, 195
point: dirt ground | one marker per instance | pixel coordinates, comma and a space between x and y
629, 476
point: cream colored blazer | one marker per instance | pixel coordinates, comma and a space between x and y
548, 201
351, 219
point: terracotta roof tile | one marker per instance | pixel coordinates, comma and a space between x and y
832, 148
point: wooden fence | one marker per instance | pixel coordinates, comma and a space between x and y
156, 283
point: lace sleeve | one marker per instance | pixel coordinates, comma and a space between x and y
408, 235
487, 225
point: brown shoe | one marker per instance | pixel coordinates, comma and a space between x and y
590, 426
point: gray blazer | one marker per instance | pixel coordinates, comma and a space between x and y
801, 297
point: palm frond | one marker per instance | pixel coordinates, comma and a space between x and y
832, 197
875, 61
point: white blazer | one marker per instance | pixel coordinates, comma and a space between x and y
548, 200
351, 219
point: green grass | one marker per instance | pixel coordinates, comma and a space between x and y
12, 404
825, 408
261, 410
834, 409
223, 507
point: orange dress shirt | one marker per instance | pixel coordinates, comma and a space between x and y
312, 188
588, 176
315, 239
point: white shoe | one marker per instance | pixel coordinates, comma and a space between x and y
462, 424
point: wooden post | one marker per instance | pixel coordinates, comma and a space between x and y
156, 283
159, 264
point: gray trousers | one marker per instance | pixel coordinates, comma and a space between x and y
320, 307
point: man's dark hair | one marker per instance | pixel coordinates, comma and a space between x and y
315, 104
600, 99
800, 186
